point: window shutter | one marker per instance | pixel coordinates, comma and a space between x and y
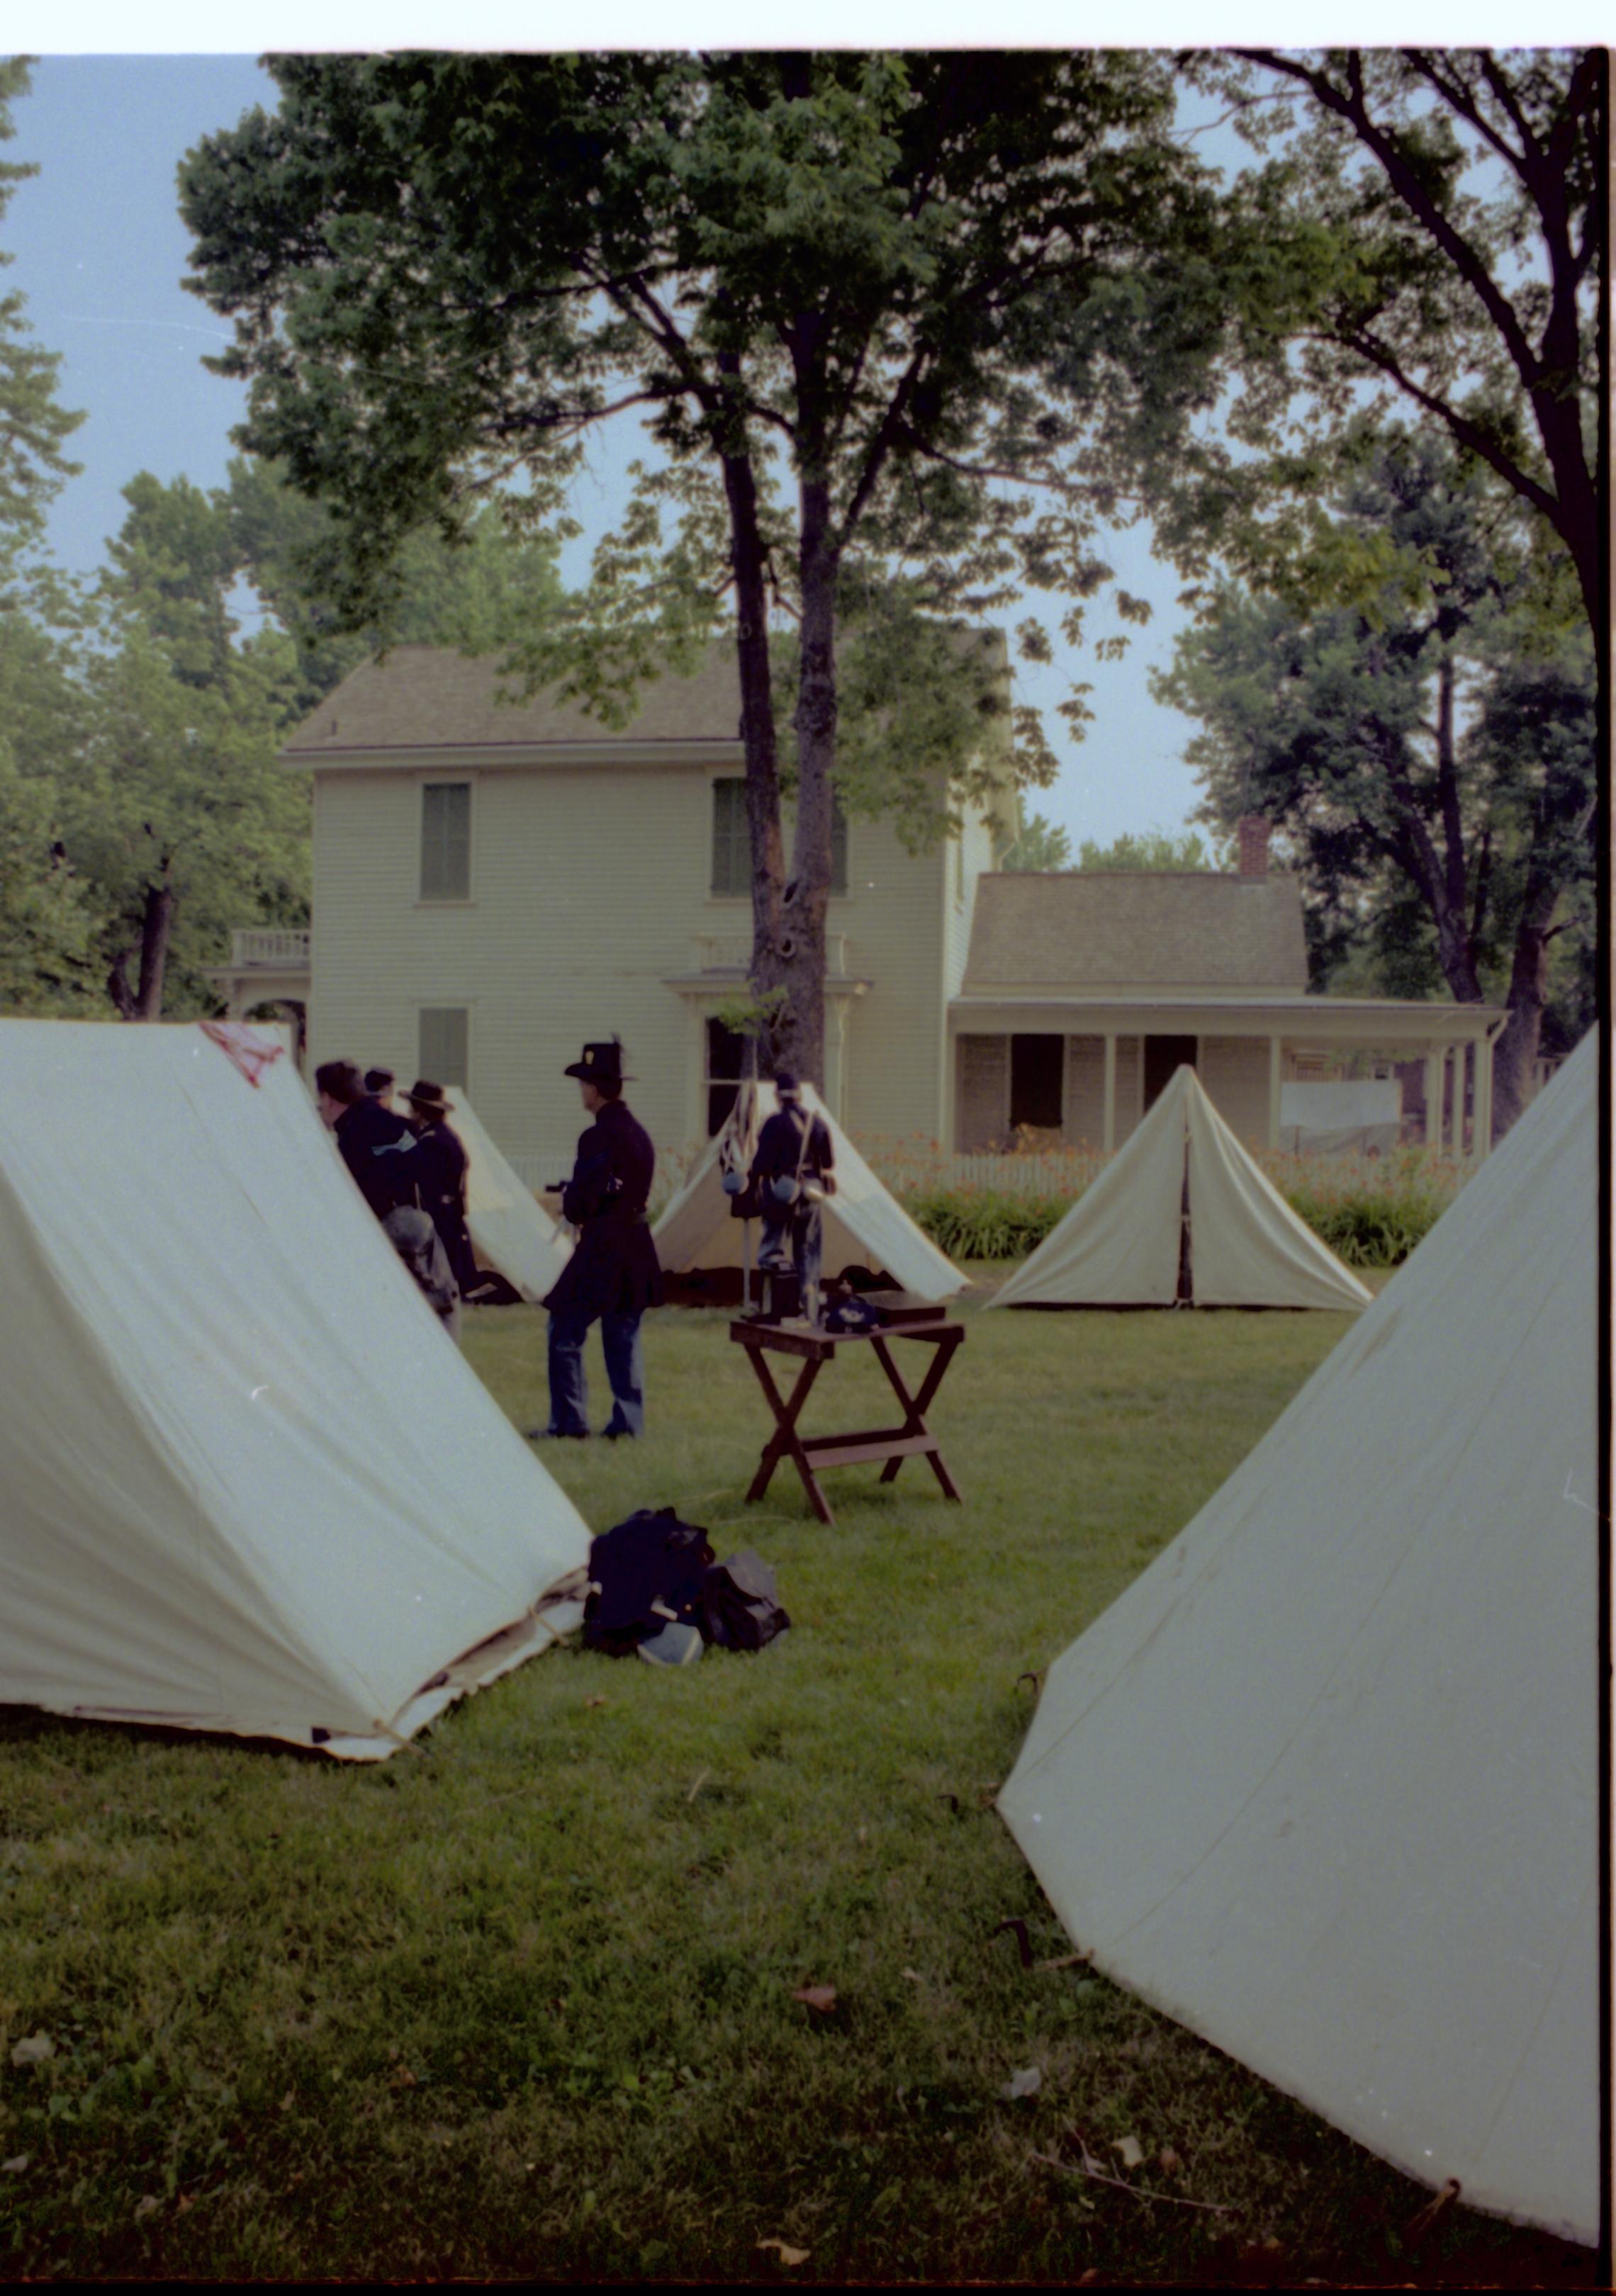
446, 842
732, 867
445, 1044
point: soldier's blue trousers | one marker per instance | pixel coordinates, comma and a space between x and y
624, 1372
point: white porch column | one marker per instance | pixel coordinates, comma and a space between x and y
1275, 1072
1448, 1102
1110, 1129
1484, 1097
1433, 1097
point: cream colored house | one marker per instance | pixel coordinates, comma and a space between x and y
494, 884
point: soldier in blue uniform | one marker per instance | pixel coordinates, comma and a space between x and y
790, 1176
441, 1167
613, 1273
378, 1147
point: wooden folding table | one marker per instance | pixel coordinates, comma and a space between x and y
813, 1349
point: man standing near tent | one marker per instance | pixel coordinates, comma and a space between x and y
613, 1273
441, 1172
790, 1176
375, 1143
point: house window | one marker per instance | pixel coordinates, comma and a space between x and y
732, 856
445, 1044
1036, 1064
446, 842
732, 852
726, 1066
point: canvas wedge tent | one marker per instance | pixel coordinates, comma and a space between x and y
1182, 1215
510, 1230
247, 1482
864, 1223
1323, 1782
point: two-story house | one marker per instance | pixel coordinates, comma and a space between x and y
494, 883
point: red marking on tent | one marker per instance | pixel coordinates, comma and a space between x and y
251, 1052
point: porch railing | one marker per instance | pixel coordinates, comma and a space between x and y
270, 945
732, 952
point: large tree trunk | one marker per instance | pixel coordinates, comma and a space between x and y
802, 951
757, 740
145, 1003
1515, 1051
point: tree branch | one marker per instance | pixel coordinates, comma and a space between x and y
1469, 434
1459, 98
1353, 108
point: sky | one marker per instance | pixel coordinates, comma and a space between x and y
100, 251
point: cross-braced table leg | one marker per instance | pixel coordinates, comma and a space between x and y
785, 1442
915, 1405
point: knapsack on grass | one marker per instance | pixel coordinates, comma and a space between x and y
739, 1607
650, 1570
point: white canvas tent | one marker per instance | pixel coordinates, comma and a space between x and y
247, 1482
510, 1228
864, 1225
1323, 1784
1119, 1245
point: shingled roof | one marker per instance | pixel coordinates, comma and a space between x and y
1134, 930
431, 697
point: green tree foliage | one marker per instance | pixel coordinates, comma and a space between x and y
47, 925
1041, 845
1428, 750
1429, 226
33, 428
829, 281
484, 587
46, 920
1149, 848
173, 805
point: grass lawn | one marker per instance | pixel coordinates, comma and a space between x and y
519, 2003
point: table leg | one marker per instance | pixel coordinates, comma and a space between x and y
915, 1405
785, 1442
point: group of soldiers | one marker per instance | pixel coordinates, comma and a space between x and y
411, 1172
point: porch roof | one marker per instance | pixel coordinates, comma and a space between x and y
1094, 932
1297, 1018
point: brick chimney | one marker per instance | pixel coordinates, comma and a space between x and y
1252, 831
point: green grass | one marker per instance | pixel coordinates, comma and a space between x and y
520, 2005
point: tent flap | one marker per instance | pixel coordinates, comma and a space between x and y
509, 1227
